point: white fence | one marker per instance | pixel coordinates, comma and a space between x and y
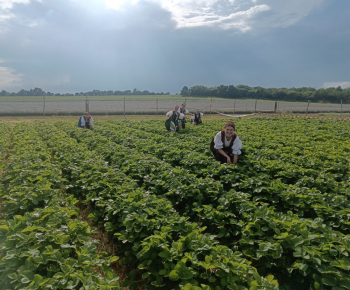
160, 106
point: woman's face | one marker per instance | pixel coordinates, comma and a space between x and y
229, 131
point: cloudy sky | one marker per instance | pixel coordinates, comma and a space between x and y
70, 46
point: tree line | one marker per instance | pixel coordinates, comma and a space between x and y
329, 95
40, 92
304, 94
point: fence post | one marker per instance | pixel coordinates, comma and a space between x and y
157, 106
124, 107
255, 106
210, 106
234, 106
44, 106
275, 110
341, 107
307, 107
87, 105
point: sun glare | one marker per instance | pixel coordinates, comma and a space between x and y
118, 4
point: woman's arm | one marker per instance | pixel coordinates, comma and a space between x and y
218, 142
222, 152
237, 146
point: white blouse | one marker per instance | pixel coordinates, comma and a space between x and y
185, 112
200, 116
82, 120
236, 146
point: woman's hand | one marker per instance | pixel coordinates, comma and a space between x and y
228, 160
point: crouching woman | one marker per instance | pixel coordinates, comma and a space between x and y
226, 146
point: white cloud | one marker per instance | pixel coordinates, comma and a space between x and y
286, 13
9, 78
242, 15
343, 85
7, 4
5, 14
230, 14
119, 4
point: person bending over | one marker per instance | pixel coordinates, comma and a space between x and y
174, 122
86, 121
196, 118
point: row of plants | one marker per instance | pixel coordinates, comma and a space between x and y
174, 211
42, 242
136, 165
292, 182
168, 249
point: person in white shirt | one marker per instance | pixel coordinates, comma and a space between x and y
196, 118
86, 121
226, 145
174, 122
184, 111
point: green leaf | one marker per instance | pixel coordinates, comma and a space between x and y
114, 259
174, 275
165, 254
344, 283
38, 279
13, 276
26, 277
330, 281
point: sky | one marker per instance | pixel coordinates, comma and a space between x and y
69, 46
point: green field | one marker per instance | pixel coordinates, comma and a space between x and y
131, 205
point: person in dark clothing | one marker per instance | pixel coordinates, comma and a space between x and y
185, 112
196, 118
174, 122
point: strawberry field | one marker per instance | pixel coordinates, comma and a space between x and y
278, 219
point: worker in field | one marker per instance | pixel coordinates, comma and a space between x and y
184, 111
226, 146
173, 124
196, 118
86, 121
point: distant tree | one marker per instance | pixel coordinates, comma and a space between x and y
198, 91
136, 92
184, 92
231, 91
4, 93
23, 93
222, 91
37, 92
